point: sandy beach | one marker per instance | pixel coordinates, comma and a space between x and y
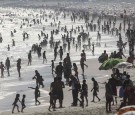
13, 17
97, 108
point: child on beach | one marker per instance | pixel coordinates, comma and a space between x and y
15, 103
23, 103
52, 103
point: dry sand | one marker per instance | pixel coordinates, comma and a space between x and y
97, 108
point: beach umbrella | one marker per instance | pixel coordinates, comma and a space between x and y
110, 63
124, 65
128, 110
129, 113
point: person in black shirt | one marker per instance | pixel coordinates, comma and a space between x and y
84, 92
59, 70
60, 96
109, 96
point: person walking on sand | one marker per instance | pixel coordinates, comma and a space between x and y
61, 53
93, 49
7, 64
19, 66
23, 103
59, 70
52, 103
109, 96
67, 67
41, 82
75, 68
82, 63
75, 88
84, 54
39, 51
95, 89
13, 42
8, 47
1, 39
52, 66
29, 58
55, 53
53, 90
2, 69
60, 96
39, 79
37, 75
44, 57
84, 92
37, 94
15, 103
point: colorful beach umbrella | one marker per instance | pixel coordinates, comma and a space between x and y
110, 63
128, 110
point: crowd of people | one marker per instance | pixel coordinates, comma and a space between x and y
102, 24
126, 91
